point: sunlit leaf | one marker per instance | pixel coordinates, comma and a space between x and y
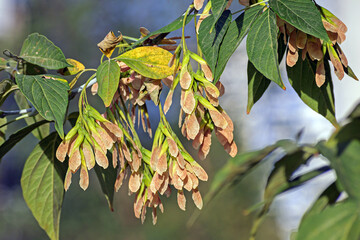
108, 77
327, 198
301, 14
151, 62
40, 132
344, 159
233, 37
258, 83
217, 8
321, 100
339, 222
39, 50
42, 185
262, 46
48, 94
210, 42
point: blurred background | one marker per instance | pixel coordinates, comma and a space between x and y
76, 26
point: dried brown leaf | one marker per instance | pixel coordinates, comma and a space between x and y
108, 44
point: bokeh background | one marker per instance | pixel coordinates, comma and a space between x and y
76, 26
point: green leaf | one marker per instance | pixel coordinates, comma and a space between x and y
302, 14
328, 197
2, 131
347, 167
49, 96
40, 132
39, 50
233, 37
210, 42
262, 46
108, 77
6, 88
321, 100
3, 63
278, 181
173, 26
107, 178
42, 183
17, 137
258, 83
151, 62
217, 8
339, 222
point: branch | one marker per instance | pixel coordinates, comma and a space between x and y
17, 112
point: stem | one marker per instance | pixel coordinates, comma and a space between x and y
73, 82
132, 128
83, 94
190, 8
131, 38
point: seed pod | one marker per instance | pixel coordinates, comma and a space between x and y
320, 73
181, 200
196, 196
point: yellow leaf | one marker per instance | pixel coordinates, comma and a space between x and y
151, 62
74, 69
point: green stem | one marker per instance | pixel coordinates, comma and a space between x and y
131, 38
183, 28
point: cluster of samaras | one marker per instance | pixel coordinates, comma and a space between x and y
316, 49
151, 173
